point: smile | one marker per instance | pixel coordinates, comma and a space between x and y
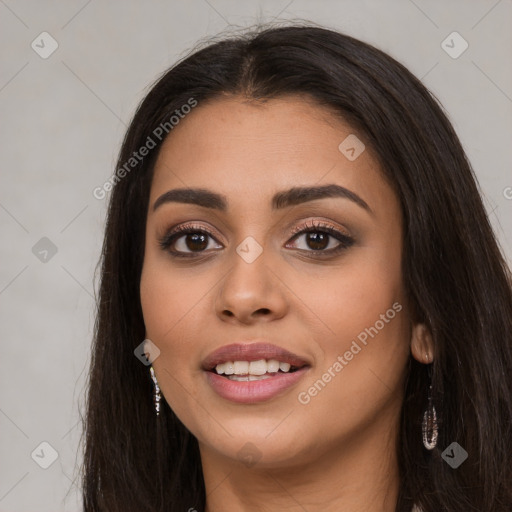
242, 374
253, 370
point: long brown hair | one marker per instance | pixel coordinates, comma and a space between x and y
456, 278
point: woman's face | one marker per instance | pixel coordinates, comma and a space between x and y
292, 241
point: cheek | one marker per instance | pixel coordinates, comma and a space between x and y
164, 300
171, 296
174, 305
365, 352
352, 295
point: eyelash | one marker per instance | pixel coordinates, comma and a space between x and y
345, 241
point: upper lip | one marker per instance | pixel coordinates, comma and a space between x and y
251, 352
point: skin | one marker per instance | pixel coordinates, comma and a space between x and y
337, 452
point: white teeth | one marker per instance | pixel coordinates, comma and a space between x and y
246, 378
284, 367
221, 368
258, 367
259, 377
253, 368
241, 367
272, 366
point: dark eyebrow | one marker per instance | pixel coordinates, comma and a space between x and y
198, 196
299, 195
287, 198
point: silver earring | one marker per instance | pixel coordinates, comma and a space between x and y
156, 393
429, 425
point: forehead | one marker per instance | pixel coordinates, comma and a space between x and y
253, 149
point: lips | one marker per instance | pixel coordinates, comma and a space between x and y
252, 352
250, 389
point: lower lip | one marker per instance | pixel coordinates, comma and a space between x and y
249, 392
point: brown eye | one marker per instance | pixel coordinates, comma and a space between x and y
187, 241
319, 238
196, 241
317, 241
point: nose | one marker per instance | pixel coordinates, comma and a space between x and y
251, 293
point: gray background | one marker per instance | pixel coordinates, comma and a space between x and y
62, 120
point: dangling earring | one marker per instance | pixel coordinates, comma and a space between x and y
429, 425
156, 393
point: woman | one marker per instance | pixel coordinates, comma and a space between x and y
296, 241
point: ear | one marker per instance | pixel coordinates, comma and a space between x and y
422, 345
